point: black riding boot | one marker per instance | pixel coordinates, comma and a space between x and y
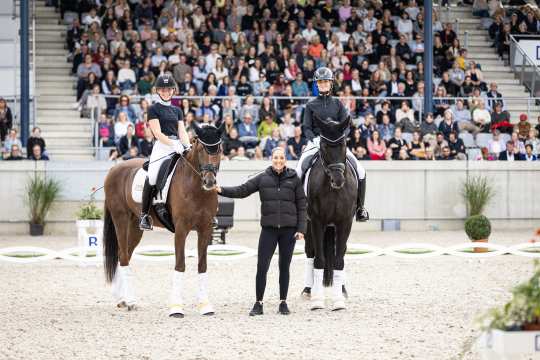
361, 213
148, 192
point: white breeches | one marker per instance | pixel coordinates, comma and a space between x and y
314, 146
159, 151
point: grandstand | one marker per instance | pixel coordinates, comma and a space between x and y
272, 48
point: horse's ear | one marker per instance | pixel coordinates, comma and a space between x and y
196, 128
221, 128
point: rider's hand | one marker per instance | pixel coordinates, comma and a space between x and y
187, 148
178, 148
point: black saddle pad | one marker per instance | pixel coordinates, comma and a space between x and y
167, 166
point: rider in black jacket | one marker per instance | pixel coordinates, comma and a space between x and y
325, 107
283, 219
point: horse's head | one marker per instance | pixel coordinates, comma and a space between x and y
207, 152
334, 150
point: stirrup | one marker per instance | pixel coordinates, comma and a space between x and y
145, 222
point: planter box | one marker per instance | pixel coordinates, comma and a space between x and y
498, 344
90, 235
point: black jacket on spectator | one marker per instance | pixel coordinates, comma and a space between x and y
283, 202
146, 147
231, 144
456, 147
124, 144
503, 155
34, 141
447, 129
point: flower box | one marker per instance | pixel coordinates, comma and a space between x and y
499, 344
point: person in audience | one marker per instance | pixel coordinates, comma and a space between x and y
481, 116
132, 153
128, 141
247, 132
533, 140
495, 144
416, 148
271, 143
37, 154
14, 153
6, 119
296, 144
267, 127
121, 127
35, 139
124, 106
510, 154
147, 143
240, 154
500, 119
376, 146
523, 127
445, 154
529, 156
457, 148
12, 139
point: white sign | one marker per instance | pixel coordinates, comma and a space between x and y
531, 49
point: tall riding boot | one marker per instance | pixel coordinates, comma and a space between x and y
361, 213
145, 220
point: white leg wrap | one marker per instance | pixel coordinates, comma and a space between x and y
176, 303
127, 278
117, 288
205, 308
308, 274
337, 294
317, 291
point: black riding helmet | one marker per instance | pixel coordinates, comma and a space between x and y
324, 73
165, 81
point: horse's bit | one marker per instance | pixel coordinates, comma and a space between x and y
328, 168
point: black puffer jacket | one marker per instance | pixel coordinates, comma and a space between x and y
283, 202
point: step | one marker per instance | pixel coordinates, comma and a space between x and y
66, 127
481, 50
60, 76
45, 59
54, 106
498, 75
486, 61
75, 120
72, 157
60, 99
68, 142
495, 68
484, 44
471, 31
51, 45
62, 150
59, 65
51, 27
45, 51
41, 73
48, 21
61, 134
51, 91
67, 113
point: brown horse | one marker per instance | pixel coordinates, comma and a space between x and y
192, 204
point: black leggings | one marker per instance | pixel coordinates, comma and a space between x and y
268, 240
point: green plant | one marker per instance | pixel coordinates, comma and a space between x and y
477, 191
89, 210
523, 309
478, 227
41, 193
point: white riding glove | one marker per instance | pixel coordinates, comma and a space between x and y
178, 148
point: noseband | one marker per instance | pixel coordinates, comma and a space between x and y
212, 150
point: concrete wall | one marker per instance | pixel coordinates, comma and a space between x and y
423, 195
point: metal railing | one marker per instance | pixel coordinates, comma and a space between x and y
526, 68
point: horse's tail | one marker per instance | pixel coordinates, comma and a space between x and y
110, 246
329, 255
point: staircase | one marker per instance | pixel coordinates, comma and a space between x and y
67, 135
493, 69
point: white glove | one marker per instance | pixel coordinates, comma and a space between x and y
178, 148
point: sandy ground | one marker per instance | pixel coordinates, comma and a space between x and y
397, 308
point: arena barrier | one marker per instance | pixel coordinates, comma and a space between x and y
156, 253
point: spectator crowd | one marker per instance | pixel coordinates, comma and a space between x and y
250, 64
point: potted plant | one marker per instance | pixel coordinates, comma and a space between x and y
477, 191
90, 225
514, 329
41, 193
478, 229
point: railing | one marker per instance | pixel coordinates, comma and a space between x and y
529, 72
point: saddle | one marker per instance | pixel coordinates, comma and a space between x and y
312, 159
159, 203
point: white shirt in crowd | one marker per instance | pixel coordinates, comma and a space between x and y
309, 34
481, 116
126, 74
369, 24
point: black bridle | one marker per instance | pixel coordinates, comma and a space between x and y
339, 166
212, 150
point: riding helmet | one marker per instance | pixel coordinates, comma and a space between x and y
323, 73
165, 81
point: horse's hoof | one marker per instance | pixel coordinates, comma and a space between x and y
131, 307
210, 314
206, 308
338, 306
306, 293
121, 304
344, 292
177, 315
317, 305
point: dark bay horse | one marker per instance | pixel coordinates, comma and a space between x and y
192, 203
332, 190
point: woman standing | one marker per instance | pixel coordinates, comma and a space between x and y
283, 220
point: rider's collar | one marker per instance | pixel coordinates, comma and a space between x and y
163, 102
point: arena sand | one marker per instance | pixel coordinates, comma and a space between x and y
397, 308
